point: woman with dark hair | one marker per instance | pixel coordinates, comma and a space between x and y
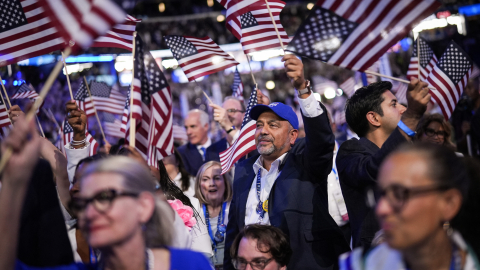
179, 175
421, 188
433, 128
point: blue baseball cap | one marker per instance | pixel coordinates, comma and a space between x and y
283, 111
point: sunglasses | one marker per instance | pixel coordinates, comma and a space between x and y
102, 201
430, 133
234, 111
397, 195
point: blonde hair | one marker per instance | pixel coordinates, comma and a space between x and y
137, 179
227, 195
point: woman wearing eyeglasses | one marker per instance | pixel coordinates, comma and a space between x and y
433, 128
214, 191
421, 189
116, 208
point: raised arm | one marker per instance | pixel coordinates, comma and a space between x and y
15, 178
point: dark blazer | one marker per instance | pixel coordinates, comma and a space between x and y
43, 239
193, 159
357, 164
298, 201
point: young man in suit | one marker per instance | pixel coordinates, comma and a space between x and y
382, 125
286, 185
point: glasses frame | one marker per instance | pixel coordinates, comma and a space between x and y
440, 134
232, 111
408, 193
265, 263
74, 206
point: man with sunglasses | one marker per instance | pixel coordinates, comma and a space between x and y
382, 125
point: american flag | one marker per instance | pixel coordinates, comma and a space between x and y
25, 31
112, 126
236, 8
475, 72
67, 137
449, 77
198, 57
254, 28
120, 36
237, 86
83, 100
82, 21
354, 33
25, 91
179, 133
106, 99
348, 87
152, 108
323, 86
246, 139
373, 78
4, 120
400, 91
427, 60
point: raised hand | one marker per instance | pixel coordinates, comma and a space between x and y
221, 116
261, 98
77, 119
14, 113
294, 70
418, 97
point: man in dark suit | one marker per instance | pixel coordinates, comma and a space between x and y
286, 185
382, 125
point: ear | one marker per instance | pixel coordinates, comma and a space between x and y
374, 119
293, 136
283, 267
452, 203
146, 206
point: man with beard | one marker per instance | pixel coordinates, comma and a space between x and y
286, 185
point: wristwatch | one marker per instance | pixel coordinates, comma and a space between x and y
307, 89
231, 129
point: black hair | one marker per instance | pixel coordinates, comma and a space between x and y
366, 99
185, 176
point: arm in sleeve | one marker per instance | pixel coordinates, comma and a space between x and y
232, 231
357, 167
73, 157
319, 140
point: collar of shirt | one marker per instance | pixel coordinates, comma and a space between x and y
273, 168
206, 145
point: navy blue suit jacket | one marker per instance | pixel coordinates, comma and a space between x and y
358, 162
192, 158
298, 201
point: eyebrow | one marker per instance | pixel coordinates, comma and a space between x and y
394, 100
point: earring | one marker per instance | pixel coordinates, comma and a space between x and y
144, 227
448, 228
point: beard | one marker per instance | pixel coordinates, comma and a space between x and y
264, 150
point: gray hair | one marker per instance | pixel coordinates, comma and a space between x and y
203, 116
137, 179
242, 103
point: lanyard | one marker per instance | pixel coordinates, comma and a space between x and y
221, 228
93, 257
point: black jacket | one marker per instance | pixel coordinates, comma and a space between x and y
298, 201
193, 159
357, 164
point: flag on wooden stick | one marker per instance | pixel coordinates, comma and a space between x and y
237, 86
120, 36
428, 59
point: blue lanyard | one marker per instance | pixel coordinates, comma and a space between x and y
93, 257
220, 225
259, 209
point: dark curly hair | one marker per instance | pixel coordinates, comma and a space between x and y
366, 99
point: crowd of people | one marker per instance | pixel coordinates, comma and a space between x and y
397, 194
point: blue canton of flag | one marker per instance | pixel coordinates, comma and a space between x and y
237, 86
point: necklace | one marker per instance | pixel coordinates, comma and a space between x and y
149, 261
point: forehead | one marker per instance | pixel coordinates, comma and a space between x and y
96, 182
247, 249
407, 169
388, 96
213, 170
232, 104
435, 125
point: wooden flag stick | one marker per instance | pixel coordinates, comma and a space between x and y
132, 120
66, 75
6, 95
40, 126
94, 109
418, 55
31, 113
251, 71
275, 25
392, 78
204, 93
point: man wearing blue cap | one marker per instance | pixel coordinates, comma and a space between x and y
286, 184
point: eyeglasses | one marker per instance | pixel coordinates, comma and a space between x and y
255, 264
102, 201
430, 133
398, 195
234, 111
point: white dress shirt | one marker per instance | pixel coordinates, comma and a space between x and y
336, 202
73, 157
310, 108
205, 145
